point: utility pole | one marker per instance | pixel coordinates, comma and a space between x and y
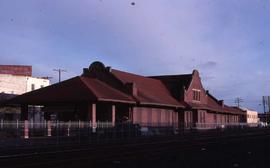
238, 100
267, 115
59, 72
265, 104
263, 101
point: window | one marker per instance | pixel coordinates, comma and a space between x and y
149, 116
197, 95
32, 87
159, 116
201, 116
167, 117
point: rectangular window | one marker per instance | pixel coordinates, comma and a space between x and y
149, 116
186, 117
215, 117
159, 116
139, 115
202, 116
190, 117
197, 95
166, 117
32, 87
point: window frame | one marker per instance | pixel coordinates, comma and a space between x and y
196, 95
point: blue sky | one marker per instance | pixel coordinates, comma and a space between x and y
228, 41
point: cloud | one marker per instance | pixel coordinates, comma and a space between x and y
226, 40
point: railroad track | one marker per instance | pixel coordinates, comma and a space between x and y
75, 144
96, 155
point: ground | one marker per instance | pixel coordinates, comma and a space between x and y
224, 150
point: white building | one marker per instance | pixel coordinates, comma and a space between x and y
252, 116
17, 84
33, 83
18, 79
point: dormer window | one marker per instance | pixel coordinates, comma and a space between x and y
196, 95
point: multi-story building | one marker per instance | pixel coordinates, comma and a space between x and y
18, 79
252, 117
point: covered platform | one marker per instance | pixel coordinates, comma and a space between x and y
77, 99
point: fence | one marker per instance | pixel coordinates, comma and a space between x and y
58, 132
224, 125
9, 129
25, 129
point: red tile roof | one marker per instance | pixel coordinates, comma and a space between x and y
91, 86
84, 88
176, 84
104, 92
213, 104
150, 91
234, 110
180, 80
77, 89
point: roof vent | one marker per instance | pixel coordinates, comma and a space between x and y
109, 69
221, 102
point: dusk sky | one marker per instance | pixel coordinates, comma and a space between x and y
228, 41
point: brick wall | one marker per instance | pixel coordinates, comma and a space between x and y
154, 116
16, 70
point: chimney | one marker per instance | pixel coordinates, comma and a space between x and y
132, 89
221, 102
109, 69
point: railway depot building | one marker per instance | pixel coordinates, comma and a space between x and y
103, 94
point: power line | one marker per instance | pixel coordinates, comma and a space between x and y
238, 100
59, 73
233, 99
246, 101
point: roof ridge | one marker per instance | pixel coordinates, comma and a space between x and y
146, 91
141, 76
119, 91
213, 97
104, 84
88, 86
176, 75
